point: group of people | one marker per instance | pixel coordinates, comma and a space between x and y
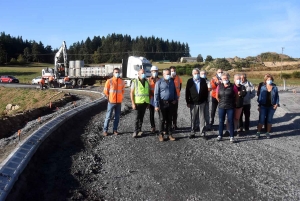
161, 96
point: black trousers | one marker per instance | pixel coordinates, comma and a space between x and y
165, 117
214, 105
246, 113
175, 114
152, 112
139, 117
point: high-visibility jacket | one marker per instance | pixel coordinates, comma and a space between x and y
42, 81
141, 93
177, 82
152, 82
214, 85
114, 90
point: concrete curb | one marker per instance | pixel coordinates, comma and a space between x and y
17, 161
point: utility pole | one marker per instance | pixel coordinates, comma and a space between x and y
281, 62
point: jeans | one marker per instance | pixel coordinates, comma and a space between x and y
222, 115
110, 107
246, 113
139, 116
214, 105
197, 116
266, 113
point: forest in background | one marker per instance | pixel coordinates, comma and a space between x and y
106, 49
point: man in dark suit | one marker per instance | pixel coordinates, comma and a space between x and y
196, 94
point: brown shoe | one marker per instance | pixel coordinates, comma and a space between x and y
116, 133
160, 138
152, 130
104, 133
171, 138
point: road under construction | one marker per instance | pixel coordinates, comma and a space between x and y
76, 162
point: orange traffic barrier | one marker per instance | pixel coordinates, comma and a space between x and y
19, 134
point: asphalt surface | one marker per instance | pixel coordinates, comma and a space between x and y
87, 166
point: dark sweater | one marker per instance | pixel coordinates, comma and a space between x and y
191, 94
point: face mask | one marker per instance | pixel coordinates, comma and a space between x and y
154, 74
196, 76
168, 77
269, 82
117, 75
238, 82
173, 74
143, 76
219, 74
225, 81
203, 76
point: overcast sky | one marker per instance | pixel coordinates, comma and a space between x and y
218, 28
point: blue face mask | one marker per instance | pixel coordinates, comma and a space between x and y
269, 82
196, 76
143, 76
203, 76
117, 75
168, 77
154, 74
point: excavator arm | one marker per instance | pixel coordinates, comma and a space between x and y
62, 50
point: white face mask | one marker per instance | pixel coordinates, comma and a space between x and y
225, 81
173, 74
154, 74
238, 82
219, 74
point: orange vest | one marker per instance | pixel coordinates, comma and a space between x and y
114, 90
42, 81
152, 85
213, 82
177, 82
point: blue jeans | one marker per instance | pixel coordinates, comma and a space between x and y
222, 115
110, 108
266, 112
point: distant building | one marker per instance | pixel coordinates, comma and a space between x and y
188, 59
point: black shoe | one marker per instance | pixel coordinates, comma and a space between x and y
226, 134
192, 136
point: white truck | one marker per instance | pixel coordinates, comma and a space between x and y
80, 75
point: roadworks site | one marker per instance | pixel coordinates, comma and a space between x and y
77, 163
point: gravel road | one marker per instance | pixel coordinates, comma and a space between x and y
87, 166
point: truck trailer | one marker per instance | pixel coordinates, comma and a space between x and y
80, 75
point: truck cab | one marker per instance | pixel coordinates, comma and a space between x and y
135, 63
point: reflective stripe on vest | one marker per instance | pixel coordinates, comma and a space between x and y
141, 94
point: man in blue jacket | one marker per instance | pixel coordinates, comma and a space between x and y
165, 98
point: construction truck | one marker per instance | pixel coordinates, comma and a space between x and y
78, 74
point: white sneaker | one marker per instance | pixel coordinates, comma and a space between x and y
232, 140
219, 138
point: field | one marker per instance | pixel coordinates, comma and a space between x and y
24, 73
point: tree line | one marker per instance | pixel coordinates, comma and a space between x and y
110, 49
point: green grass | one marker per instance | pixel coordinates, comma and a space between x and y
24, 73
